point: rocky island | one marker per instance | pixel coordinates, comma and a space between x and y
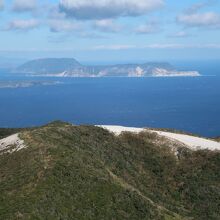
67, 67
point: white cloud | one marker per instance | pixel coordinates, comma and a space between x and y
180, 34
113, 47
192, 17
24, 5
164, 46
183, 46
106, 25
54, 13
23, 25
91, 35
1, 5
104, 9
200, 5
63, 26
148, 28
157, 46
206, 19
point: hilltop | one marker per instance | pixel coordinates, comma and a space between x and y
49, 65
62, 171
66, 67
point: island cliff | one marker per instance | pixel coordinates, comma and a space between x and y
71, 68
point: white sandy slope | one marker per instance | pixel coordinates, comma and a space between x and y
11, 144
193, 143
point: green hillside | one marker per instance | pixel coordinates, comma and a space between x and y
4, 132
85, 172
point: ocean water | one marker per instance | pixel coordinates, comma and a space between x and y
189, 104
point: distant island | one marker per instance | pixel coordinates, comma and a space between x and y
68, 67
26, 84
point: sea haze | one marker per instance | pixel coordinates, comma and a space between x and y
184, 103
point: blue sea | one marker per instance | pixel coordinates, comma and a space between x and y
189, 104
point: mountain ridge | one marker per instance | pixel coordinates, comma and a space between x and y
86, 172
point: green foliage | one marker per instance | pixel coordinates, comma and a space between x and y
5, 132
217, 139
85, 172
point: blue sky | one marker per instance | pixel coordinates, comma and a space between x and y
110, 30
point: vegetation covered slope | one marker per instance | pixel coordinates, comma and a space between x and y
5, 132
49, 65
217, 139
85, 172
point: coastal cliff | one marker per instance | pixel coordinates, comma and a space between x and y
72, 68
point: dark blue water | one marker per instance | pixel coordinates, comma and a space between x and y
190, 104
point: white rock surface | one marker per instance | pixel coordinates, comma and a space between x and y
11, 144
158, 72
194, 143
